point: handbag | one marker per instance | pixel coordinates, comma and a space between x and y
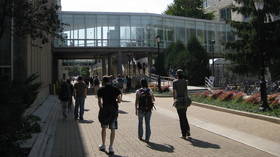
183, 101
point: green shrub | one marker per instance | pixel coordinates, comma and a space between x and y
15, 99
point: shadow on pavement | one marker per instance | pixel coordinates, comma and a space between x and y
86, 121
202, 144
126, 101
122, 112
86, 110
113, 155
161, 147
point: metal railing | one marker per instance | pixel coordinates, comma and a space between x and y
209, 82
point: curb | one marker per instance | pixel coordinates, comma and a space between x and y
163, 96
241, 113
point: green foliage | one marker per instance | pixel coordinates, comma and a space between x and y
85, 71
39, 20
197, 63
193, 60
15, 99
176, 56
257, 40
188, 8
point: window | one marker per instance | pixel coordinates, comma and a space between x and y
205, 4
225, 14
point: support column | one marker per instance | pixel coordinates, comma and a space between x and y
109, 71
119, 62
103, 66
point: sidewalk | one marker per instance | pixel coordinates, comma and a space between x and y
81, 139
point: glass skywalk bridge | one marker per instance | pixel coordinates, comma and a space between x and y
138, 30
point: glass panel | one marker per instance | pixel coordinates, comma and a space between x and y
200, 30
79, 27
190, 26
135, 21
210, 34
91, 26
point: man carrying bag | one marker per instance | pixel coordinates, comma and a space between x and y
182, 102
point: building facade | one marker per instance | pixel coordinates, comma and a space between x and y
221, 10
21, 57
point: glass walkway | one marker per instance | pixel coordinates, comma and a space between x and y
104, 29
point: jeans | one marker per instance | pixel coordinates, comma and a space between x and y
79, 103
147, 116
184, 124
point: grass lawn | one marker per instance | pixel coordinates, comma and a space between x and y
242, 106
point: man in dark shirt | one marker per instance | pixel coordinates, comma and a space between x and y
80, 93
180, 90
108, 99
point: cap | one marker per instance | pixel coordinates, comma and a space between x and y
179, 72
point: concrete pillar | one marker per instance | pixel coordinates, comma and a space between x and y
119, 63
103, 66
109, 71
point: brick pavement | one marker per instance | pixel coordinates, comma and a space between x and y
81, 139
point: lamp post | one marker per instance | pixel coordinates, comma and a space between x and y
259, 5
158, 66
212, 42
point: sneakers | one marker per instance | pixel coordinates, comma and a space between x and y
102, 148
111, 150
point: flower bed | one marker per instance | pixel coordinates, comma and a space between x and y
239, 101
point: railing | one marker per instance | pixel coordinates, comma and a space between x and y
165, 80
90, 43
209, 82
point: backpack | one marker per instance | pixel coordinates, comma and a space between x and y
120, 83
96, 81
146, 103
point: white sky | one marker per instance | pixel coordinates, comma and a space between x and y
137, 6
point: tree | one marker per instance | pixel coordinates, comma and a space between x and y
39, 20
85, 71
257, 46
193, 60
176, 56
188, 8
197, 63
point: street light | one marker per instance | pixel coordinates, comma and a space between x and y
259, 5
158, 66
212, 43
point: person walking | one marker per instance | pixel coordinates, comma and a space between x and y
108, 99
80, 93
180, 96
120, 83
144, 104
96, 84
70, 101
64, 96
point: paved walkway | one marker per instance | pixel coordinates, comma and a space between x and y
210, 134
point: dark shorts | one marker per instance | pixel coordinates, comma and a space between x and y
112, 125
